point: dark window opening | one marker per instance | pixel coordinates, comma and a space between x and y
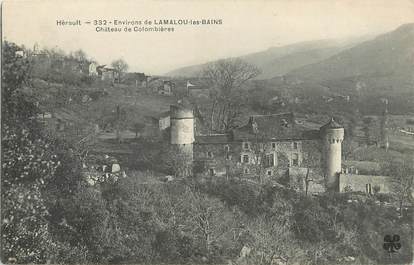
368, 188
295, 160
270, 160
245, 158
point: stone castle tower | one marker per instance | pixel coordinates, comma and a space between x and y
182, 136
332, 137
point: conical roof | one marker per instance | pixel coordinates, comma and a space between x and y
332, 124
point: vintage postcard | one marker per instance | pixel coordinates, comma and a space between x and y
227, 132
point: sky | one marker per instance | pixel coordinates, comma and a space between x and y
247, 26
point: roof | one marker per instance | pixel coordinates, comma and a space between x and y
275, 127
161, 115
213, 139
104, 67
332, 124
362, 165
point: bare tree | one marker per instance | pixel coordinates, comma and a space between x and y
209, 219
263, 157
80, 55
402, 173
225, 78
120, 67
177, 161
311, 161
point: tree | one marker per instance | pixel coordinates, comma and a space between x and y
119, 121
402, 178
80, 55
263, 156
37, 172
225, 78
312, 162
27, 165
120, 67
177, 161
209, 220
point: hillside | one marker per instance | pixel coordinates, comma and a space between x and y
278, 61
385, 62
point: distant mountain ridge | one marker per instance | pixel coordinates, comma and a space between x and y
387, 60
277, 61
381, 63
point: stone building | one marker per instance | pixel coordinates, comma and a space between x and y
263, 149
271, 148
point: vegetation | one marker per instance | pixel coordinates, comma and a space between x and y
226, 78
120, 67
51, 215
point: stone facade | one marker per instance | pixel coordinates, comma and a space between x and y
250, 152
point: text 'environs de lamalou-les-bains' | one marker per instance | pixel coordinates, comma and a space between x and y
116, 22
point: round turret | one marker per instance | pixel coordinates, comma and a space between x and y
182, 125
182, 138
332, 136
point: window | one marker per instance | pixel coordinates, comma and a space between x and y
228, 157
295, 160
368, 188
246, 146
211, 172
227, 148
295, 145
269, 172
270, 160
210, 154
273, 146
245, 159
246, 171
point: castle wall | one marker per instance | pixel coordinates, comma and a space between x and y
364, 183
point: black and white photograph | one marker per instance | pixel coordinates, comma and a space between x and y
221, 132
